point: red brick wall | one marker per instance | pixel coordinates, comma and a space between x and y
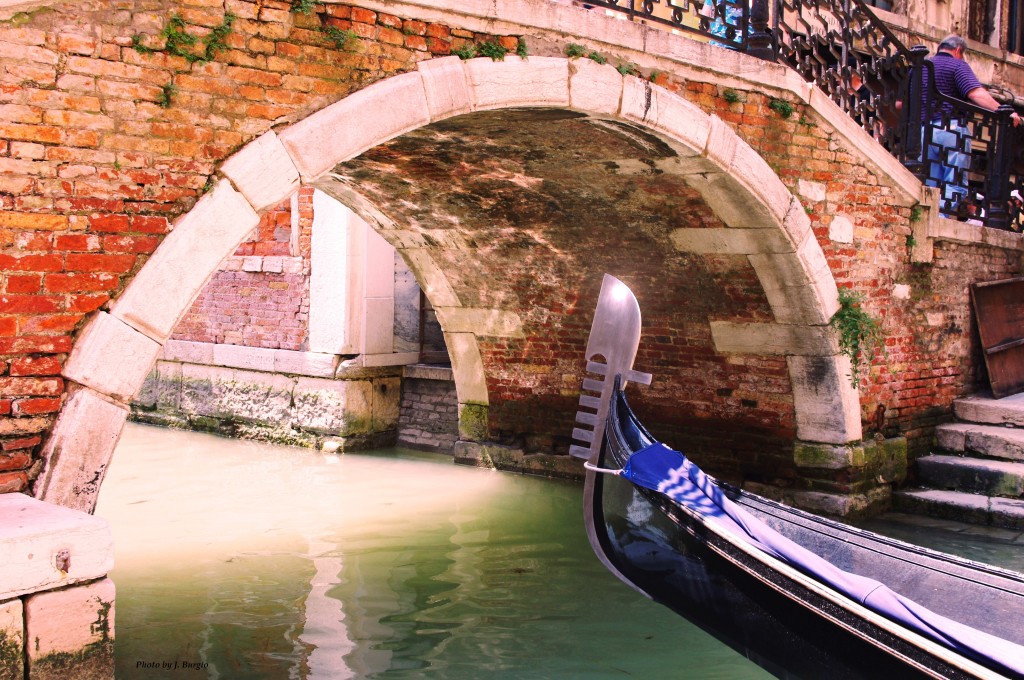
93, 168
268, 309
927, 366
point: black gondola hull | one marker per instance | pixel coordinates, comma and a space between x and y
781, 623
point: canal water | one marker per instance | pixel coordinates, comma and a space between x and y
244, 560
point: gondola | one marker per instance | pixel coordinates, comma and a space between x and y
801, 595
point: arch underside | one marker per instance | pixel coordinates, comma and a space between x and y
510, 218
509, 199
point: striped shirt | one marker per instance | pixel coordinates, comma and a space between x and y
954, 78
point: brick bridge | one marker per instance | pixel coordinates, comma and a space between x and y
140, 147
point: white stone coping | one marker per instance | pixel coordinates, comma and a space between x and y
945, 229
768, 338
165, 287
271, 264
651, 48
37, 539
263, 172
482, 322
312, 364
78, 450
105, 337
383, 360
291, 362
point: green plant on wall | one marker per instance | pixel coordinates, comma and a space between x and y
781, 107
342, 39
573, 50
860, 335
496, 51
466, 51
166, 95
179, 42
193, 49
303, 6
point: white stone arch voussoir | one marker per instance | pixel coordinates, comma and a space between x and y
115, 352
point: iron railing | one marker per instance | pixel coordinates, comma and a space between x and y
974, 156
723, 22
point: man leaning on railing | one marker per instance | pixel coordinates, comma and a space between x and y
949, 153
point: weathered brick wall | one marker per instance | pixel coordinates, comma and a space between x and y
106, 136
932, 353
260, 297
254, 309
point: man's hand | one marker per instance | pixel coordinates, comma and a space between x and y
982, 98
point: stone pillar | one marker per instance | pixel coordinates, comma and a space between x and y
335, 272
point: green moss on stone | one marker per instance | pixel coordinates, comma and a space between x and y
92, 662
12, 658
886, 459
828, 456
473, 422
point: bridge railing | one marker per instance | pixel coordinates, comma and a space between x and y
723, 22
974, 156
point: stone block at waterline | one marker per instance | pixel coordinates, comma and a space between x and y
71, 632
45, 546
514, 459
248, 396
387, 402
883, 460
333, 407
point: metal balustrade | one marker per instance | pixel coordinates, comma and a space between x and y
975, 157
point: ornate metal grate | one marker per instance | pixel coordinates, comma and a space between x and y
723, 22
974, 156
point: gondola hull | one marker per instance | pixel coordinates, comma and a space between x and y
672, 561
789, 625
801, 595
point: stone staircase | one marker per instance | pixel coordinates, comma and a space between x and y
977, 472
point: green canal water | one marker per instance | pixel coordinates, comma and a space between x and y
244, 560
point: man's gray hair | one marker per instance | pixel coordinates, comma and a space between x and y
952, 43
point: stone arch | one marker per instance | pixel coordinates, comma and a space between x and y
764, 222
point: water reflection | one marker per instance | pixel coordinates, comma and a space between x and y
242, 560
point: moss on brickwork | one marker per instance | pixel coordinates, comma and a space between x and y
94, 662
12, 658
855, 467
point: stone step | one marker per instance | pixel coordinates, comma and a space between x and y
986, 410
1007, 513
972, 475
992, 441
